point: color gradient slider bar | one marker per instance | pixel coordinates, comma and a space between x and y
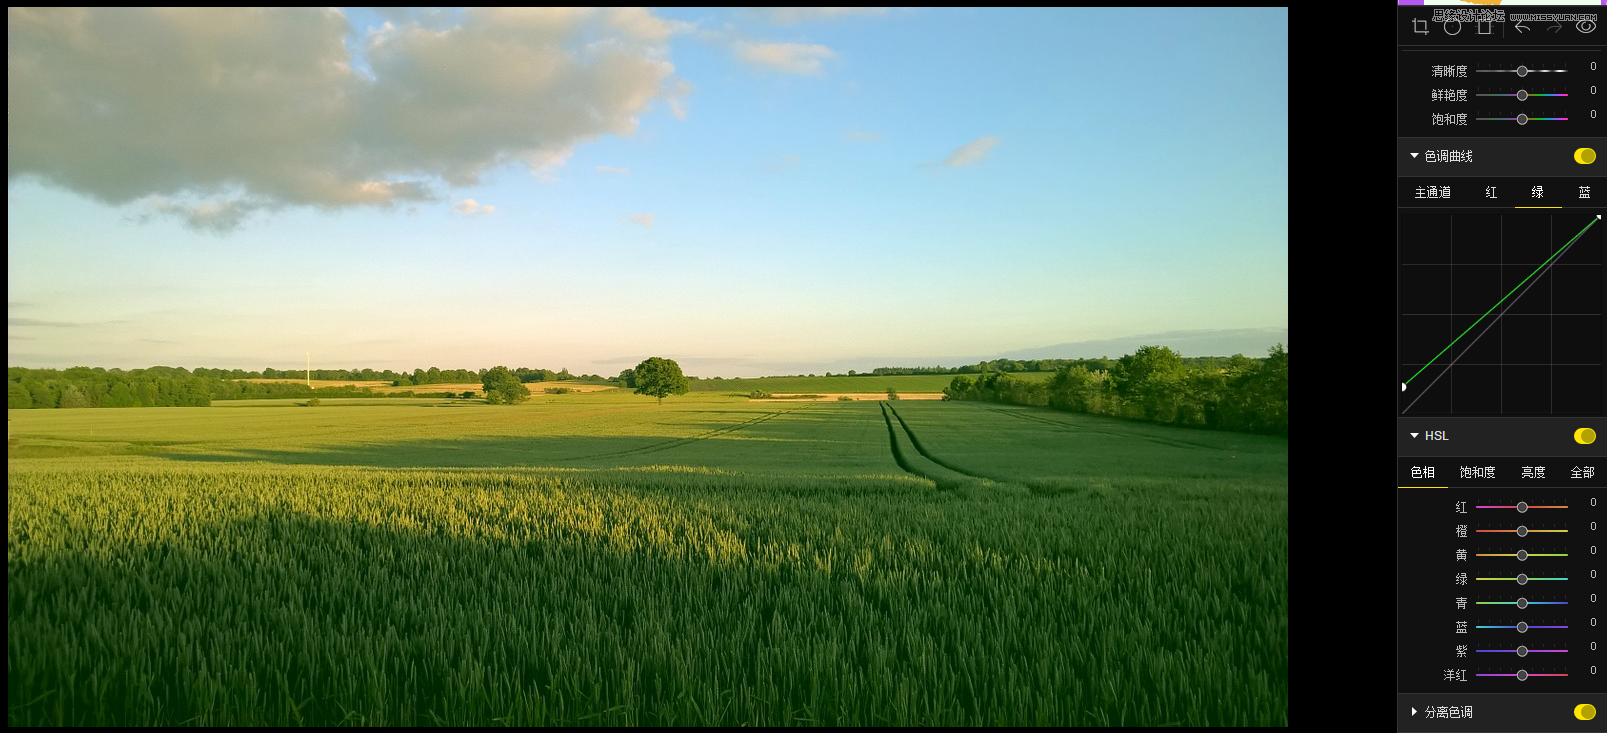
1514, 554
1513, 603
1525, 529
1515, 651
1520, 675
1514, 626
1521, 578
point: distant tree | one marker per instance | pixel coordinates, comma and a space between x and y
313, 402
468, 394
72, 397
17, 397
657, 377
892, 394
503, 388
959, 388
627, 378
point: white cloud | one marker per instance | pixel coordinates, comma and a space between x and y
612, 169
971, 152
646, 220
789, 58
470, 207
789, 16
861, 136
237, 111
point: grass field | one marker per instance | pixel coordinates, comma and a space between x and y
599, 559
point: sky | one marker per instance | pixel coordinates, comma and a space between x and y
748, 192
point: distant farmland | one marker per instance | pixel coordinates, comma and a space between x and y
456, 387
841, 384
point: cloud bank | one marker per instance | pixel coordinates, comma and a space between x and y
213, 115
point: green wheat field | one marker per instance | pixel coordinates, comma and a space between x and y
601, 559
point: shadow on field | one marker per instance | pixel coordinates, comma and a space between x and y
455, 452
738, 445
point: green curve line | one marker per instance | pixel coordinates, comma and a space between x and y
1504, 298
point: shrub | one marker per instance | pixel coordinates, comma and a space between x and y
892, 394
557, 390
758, 394
313, 402
844, 398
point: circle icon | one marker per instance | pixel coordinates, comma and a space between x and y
1523, 119
1523, 506
1523, 651
1522, 95
1523, 628
1523, 555
1523, 531
1523, 579
1522, 675
1523, 603
1453, 27
1523, 71
1585, 711
1584, 436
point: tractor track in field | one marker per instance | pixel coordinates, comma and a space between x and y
928, 454
677, 442
1046, 421
898, 453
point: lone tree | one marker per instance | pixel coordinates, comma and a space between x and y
660, 378
503, 388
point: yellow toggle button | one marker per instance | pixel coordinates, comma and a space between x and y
1585, 156
1585, 711
1584, 436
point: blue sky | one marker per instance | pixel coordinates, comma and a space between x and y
748, 192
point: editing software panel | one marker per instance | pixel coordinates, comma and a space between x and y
1501, 505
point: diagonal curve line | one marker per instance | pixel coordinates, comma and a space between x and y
1537, 277
1543, 266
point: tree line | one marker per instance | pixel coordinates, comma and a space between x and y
165, 386
1156, 384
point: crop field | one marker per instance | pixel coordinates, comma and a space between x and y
841, 384
600, 559
317, 383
